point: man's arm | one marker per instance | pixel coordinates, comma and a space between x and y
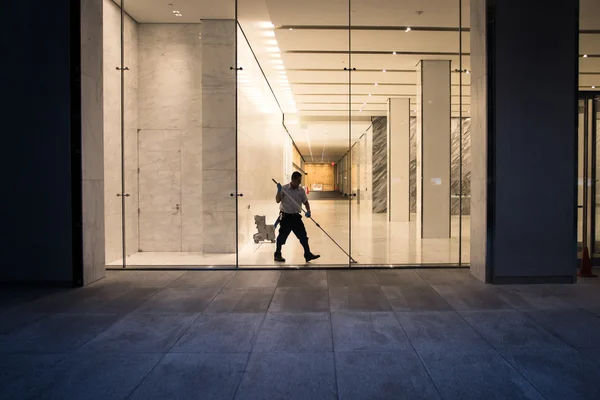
307, 205
278, 197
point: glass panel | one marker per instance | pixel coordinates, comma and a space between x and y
403, 218
596, 199
118, 31
464, 107
295, 53
179, 146
580, 173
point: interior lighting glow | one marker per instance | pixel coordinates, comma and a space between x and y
279, 67
274, 49
585, 56
272, 42
384, 70
276, 61
407, 29
269, 33
376, 84
266, 24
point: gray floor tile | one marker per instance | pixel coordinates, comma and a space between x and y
389, 375
11, 321
439, 330
80, 300
193, 376
507, 328
127, 302
368, 332
289, 376
414, 299
358, 298
351, 278
399, 277
142, 333
523, 297
157, 279
203, 280
217, 333
476, 375
578, 328
295, 333
254, 279
179, 301
300, 299
442, 276
22, 375
56, 333
255, 300
97, 376
558, 373
471, 297
303, 278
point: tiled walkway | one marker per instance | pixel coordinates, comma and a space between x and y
397, 334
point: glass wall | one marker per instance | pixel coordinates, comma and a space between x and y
206, 105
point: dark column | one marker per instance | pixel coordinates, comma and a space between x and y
524, 129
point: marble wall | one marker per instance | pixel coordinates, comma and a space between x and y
92, 141
170, 137
455, 166
112, 132
219, 136
379, 164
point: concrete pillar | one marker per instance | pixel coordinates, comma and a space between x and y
398, 151
524, 141
433, 149
218, 136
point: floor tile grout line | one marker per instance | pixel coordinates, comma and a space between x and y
335, 370
146, 376
501, 355
437, 389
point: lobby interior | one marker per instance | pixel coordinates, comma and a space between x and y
206, 102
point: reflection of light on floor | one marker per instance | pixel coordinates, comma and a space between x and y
374, 241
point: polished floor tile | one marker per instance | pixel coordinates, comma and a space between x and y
254, 279
472, 296
300, 299
531, 298
508, 328
289, 376
303, 279
179, 301
193, 376
440, 330
220, 333
399, 277
476, 375
158, 279
414, 299
379, 331
308, 332
558, 373
202, 279
351, 278
254, 300
388, 375
142, 333
358, 298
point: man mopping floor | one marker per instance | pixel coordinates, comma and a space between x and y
289, 197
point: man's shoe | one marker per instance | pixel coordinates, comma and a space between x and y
278, 258
310, 257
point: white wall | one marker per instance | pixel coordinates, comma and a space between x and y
112, 131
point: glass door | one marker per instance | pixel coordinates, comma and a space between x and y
293, 117
587, 181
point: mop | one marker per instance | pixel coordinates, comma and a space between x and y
352, 260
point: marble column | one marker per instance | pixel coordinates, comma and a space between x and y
523, 135
398, 151
219, 136
433, 149
379, 170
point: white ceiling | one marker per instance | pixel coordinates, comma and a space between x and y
310, 58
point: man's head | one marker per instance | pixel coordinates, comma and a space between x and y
296, 180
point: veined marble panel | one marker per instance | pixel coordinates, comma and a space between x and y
218, 148
217, 187
219, 232
466, 167
380, 164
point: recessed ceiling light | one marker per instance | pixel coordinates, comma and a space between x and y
266, 24
276, 61
394, 53
593, 87
175, 12
291, 29
585, 56
269, 33
178, 15
369, 94
275, 55
272, 42
376, 84
273, 50
279, 67
407, 29
384, 70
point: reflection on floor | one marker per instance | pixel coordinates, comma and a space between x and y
373, 241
